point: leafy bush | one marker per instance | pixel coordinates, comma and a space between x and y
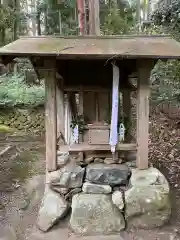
15, 92
165, 78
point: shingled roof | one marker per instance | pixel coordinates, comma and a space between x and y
163, 47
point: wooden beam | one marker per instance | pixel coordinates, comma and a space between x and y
50, 116
144, 70
93, 89
85, 147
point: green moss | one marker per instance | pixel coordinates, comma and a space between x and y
6, 129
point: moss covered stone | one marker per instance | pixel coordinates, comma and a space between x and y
147, 201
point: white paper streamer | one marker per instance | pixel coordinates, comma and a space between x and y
121, 132
76, 134
115, 105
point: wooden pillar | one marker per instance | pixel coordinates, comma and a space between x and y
60, 108
144, 69
50, 117
126, 95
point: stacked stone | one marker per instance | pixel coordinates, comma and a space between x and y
104, 196
93, 210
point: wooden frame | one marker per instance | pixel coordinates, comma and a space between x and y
55, 117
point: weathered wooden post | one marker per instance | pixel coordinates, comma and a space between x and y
144, 69
50, 114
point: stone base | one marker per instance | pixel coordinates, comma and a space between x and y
103, 197
94, 214
147, 200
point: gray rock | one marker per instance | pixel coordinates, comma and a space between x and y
72, 193
89, 160
70, 176
95, 214
8, 233
147, 201
117, 199
96, 188
109, 161
98, 160
53, 208
62, 159
131, 164
150, 176
60, 190
113, 175
79, 159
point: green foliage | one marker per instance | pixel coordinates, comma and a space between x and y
168, 16
165, 78
114, 23
15, 92
118, 20
7, 17
62, 14
5, 129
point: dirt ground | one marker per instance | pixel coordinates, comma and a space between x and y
21, 192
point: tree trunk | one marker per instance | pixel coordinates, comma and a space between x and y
2, 36
38, 22
81, 16
94, 21
16, 21
138, 14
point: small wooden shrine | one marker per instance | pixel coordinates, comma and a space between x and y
88, 90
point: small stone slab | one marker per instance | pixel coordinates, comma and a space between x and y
117, 199
62, 159
98, 160
110, 161
89, 160
113, 175
95, 214
96, 188
70, 176
53, 208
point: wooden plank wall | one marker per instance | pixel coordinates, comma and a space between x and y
96, 106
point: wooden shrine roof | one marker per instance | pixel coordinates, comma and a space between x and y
163, 47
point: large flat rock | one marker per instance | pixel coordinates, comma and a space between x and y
147, 203
53, 208
95, 214
113, 175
